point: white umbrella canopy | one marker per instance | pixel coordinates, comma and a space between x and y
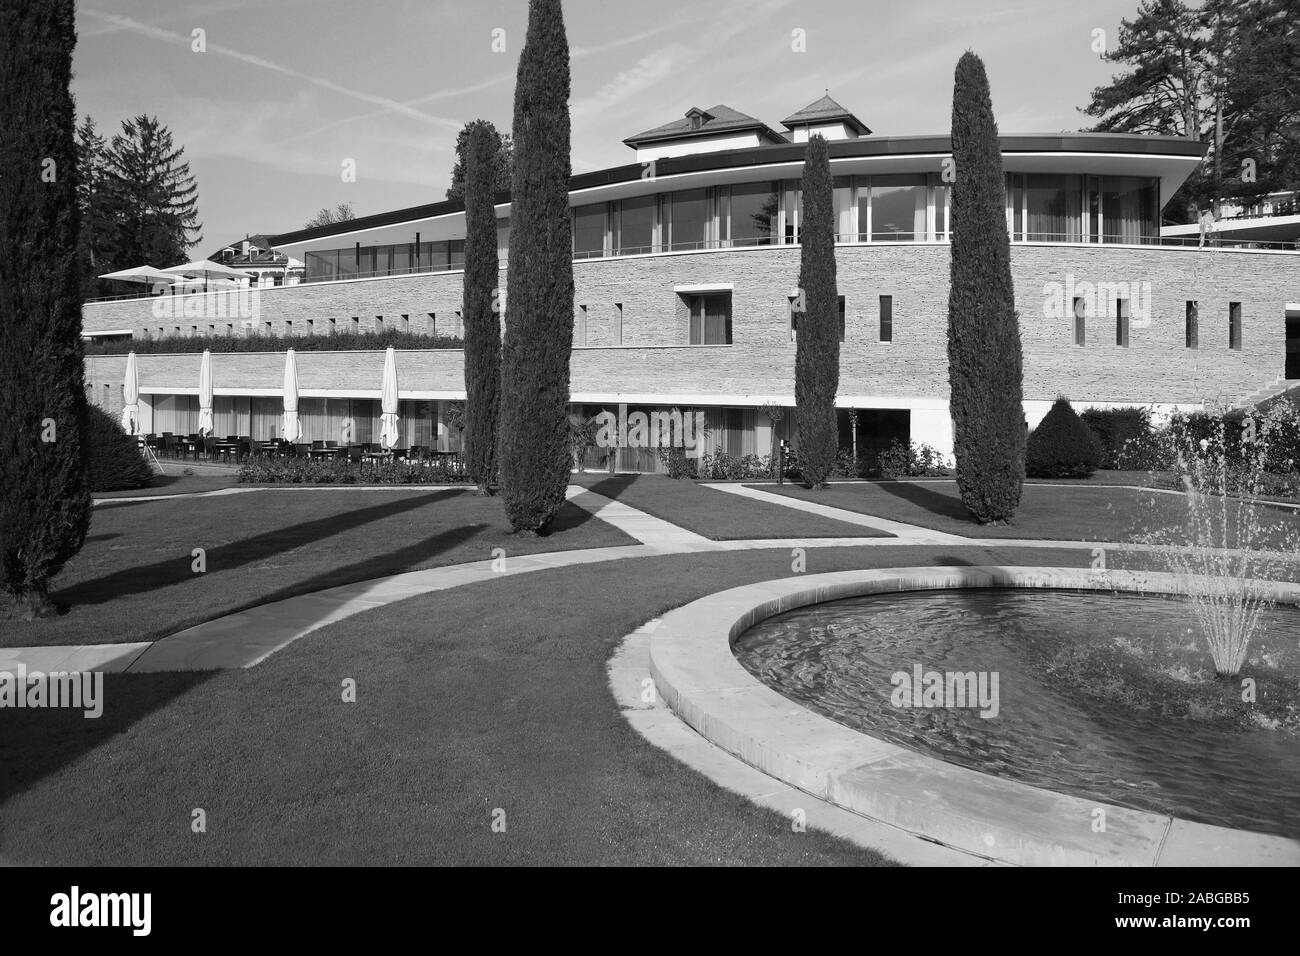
388, 431
131, 397
290, 430
145, 274
205, 394
206, 269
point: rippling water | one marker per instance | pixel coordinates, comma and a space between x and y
1094, 694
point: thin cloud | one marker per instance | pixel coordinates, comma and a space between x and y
157, 33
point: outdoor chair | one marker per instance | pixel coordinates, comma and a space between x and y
355, 452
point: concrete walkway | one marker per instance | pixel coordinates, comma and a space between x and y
245, 638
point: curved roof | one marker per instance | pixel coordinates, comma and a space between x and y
1175, 152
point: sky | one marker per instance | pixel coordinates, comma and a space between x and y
286, 92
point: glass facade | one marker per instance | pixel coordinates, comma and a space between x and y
1051, 207
1041, 207
367, 261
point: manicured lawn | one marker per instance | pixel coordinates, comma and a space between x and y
488, 696
177, 484
716, 514
133, 581
1050, 512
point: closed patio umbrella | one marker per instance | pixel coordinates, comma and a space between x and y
205, 394
131, 397
290, 430
388, 433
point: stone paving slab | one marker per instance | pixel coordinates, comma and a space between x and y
108, 658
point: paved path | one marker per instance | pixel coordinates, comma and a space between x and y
246, 638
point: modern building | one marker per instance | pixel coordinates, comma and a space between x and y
685, 268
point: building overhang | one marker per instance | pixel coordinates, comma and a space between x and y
1170, 158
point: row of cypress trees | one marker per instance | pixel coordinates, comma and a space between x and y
526, 396
517, 386
984, 350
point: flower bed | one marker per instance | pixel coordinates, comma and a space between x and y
306, 471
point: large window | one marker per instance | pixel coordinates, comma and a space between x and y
1052, 208
844, 231
589, 231
754, 210
1129, 209
690, 220
898, 208
636, 226
710, 318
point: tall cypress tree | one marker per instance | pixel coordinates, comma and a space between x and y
482, 324
44, 495
984, 354
534, 435
817, 336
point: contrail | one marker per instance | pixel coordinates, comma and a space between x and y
158, 33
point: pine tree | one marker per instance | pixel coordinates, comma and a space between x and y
984, 353
97, 227
44, 496
153, 196
534, 428
502, 153
481, 310
817, 348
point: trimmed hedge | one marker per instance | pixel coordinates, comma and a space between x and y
1062, 446
113, 459
343, 342
1129, 440
265, 470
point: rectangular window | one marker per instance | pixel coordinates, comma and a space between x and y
794, 317
886, 318
406, 323
379, 324
844, 230
1080, 321
617, 331
288, 327
690, 219
898, 208
589, 231
311, 327
636, 226
1191, 330
754, 211
710, 319
1234, 326
1121, 322
580, 333
356, 325
1052, 207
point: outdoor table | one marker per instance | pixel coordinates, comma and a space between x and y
224, 448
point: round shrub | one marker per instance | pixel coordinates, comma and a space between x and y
1062, 446
113, 458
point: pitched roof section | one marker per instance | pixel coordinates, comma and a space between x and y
825, 110
710, 122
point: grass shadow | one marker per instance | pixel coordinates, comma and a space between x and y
235, 554
928, 500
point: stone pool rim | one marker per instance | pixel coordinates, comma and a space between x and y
699, 677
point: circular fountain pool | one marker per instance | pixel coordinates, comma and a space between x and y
1105, 696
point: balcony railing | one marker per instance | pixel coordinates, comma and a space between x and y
1212, 241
